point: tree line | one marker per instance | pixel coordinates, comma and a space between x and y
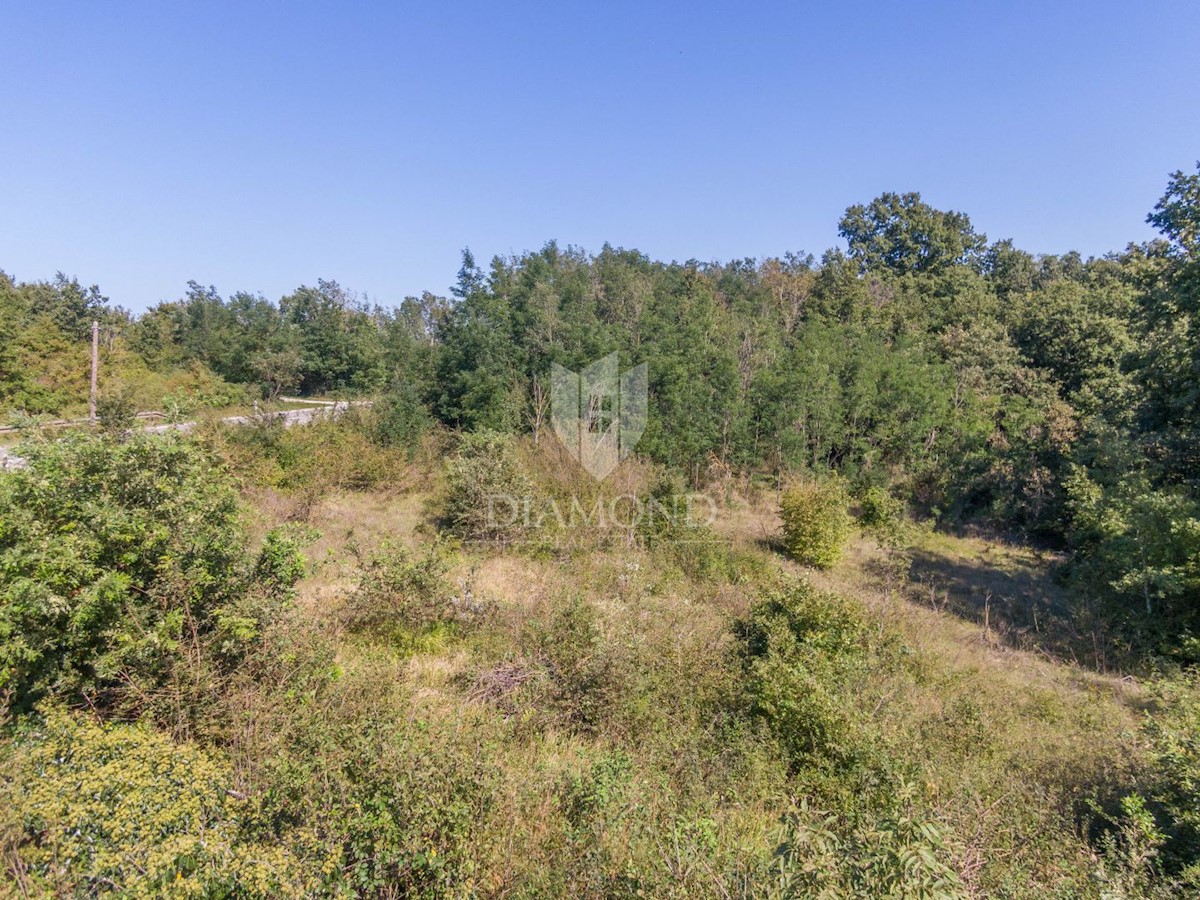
1049, 395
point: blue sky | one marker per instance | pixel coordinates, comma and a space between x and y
261, 146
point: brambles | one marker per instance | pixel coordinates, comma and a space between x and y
401, 588
583, 676
816, 523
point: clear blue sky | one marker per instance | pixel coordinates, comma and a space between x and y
260, 146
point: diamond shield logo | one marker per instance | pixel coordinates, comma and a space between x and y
599, 414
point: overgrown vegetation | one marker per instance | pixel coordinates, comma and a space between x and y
127, 579
496, 676
816, 523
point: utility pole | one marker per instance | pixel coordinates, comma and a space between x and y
95, 369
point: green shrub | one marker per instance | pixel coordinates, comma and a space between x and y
310, 462
664, 520
703, 556
1136, 555
880, 510
280, 563
900, 855
401, 419
593, 803
116, 410
1132, 847
816, 523
122, 561
399, 800
803, 653
1174, 738
584, 795
92, 809
400, 588
583, 676
483, 481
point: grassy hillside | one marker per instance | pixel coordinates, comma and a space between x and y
896, 598
1003, 745
695, 715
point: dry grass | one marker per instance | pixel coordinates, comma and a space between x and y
624, 586
1007, 737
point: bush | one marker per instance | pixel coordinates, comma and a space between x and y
900, 855
880, 510
483, 480
1137, 552
816, 524
1174, 738
1132, 845
123, 561
116, 410
399, 800
311, 461
584, 678
803, 652
280, 563
663, 521
398, 588
94, 809
401, 419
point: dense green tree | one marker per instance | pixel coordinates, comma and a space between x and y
1081, 336
227, 336
1177, 213
70, 305
849, 399
1169, 370
1010, 270
338, 339
13, 313
692, 371
901, 233
478, 374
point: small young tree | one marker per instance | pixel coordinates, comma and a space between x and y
880, 510
816, 523
401, 419
116, 411
484, 488
278, 370
399, 588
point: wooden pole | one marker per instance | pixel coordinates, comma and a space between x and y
95, 370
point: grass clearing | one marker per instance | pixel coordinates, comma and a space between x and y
593, 656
